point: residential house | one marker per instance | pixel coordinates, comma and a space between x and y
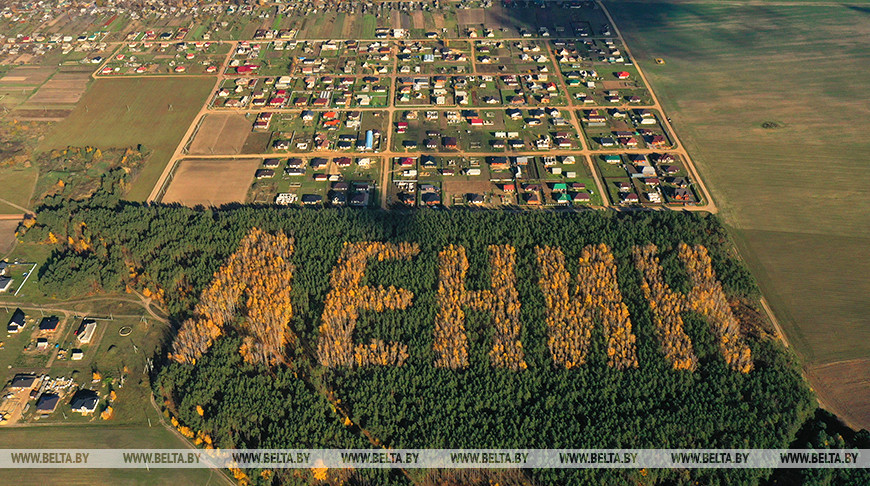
86, 330
311, 199
17, 322
582, 197
49, 323
23, 381
475, 199
85, 402
631, 198
47, 403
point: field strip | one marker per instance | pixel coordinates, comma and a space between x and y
844, 387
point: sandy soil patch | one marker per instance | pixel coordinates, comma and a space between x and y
616, 85
451, 189
211, 182
844, 389
223, 133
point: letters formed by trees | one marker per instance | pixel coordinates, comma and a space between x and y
706, 298
247, 405
261, 271
571, 307
347, 298
501, 301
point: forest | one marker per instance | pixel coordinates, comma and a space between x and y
456, 329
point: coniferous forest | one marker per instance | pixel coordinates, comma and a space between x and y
454, 329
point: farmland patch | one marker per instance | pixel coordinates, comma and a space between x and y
120, 113
221, 134
843, 386
65, 88
211, 182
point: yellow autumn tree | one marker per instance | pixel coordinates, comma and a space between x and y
501, 301
347, 297
572, 307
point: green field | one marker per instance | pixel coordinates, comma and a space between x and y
792, 191
17, 184
98, 437
127, 112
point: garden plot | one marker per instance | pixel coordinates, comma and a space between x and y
616, 128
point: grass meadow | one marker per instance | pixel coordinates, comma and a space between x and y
127, 112
17, 188
100, 437
771, 102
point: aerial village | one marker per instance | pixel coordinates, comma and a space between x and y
397, 105
392, 104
